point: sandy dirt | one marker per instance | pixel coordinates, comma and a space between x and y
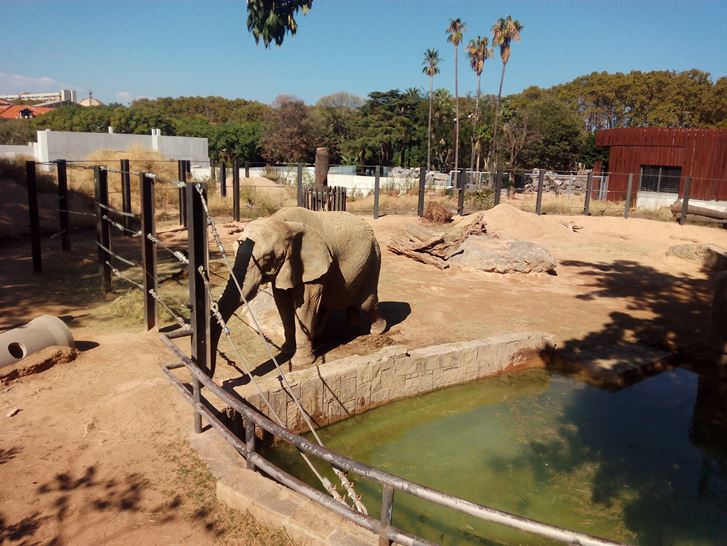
98, 451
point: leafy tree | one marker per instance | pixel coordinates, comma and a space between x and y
503, 32
455, 31
271, 20
288, 134
333, 122
478, 53
16, 131
243, 141
140, 119
431, 68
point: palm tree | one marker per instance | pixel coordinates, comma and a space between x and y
478, 53
503, 32
455, 30
431, 67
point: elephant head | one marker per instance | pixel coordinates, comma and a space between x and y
273, 250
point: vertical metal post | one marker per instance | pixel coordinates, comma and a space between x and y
63, 205
235, 191
148, 249
223, 187
627, 204
539, 197
198, 296
249, 443
422, 188
498, 187
213, 170
685, 200
103, 228
34, 217
387, 509
126, 194
223, 178
247, 169
377, 189
299, 182
589, 189
182, 175
460, 196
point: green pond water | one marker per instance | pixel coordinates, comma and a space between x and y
644, 465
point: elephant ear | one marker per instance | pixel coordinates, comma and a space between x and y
308, 256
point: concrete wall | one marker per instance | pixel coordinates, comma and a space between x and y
337, 390
11, 152
76, 146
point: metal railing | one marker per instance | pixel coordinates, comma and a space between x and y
253, 419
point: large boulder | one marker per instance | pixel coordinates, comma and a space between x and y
504, 256
709, 256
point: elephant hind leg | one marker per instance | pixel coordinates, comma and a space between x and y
371, 308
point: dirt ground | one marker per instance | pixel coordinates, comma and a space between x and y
98, 451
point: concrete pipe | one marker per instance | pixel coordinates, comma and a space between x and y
41, 332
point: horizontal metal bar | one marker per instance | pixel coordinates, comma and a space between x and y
116, 211
181, 332
415, 489
116, 256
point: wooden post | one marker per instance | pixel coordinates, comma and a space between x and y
377, 189
685, 200
460, 196
148, 249
589, 189
422, 189
103, 228
299, 183
498, 187
627, 204
34, 217
387, 509
198, 296
539, 197
235, 191
63, 205
126, 194
223, 177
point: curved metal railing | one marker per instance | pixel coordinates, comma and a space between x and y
391, 483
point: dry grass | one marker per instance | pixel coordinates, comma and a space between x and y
437, 214
80, 176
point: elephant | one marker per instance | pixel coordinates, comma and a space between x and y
315, 262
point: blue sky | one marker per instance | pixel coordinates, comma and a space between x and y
128, 48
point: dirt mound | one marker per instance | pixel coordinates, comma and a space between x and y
38, 362
437, 214
510, 222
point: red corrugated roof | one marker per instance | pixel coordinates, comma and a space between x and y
13, 111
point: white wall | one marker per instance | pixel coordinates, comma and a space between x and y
11, 151
76, 146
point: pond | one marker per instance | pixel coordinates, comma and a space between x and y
643, 465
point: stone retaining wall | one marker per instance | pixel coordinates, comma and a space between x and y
334, 391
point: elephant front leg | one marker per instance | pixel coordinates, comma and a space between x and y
286, 309
306, 311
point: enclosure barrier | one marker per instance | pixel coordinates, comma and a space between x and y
254, 421
391, 483
325, 198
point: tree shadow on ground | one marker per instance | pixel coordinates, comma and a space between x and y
67, 496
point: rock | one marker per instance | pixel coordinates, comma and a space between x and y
710, 256
266, 313
504, 256
13, 412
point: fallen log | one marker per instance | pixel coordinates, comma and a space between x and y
700, 210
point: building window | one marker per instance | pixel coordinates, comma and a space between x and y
660, 179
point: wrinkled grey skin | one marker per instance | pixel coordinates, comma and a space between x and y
315, 262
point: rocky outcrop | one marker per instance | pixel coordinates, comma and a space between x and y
709, 256
504, 256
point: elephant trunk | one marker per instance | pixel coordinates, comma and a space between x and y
231, 300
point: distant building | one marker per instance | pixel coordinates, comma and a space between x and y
660, 160
21, 111
64, 95
90, 101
